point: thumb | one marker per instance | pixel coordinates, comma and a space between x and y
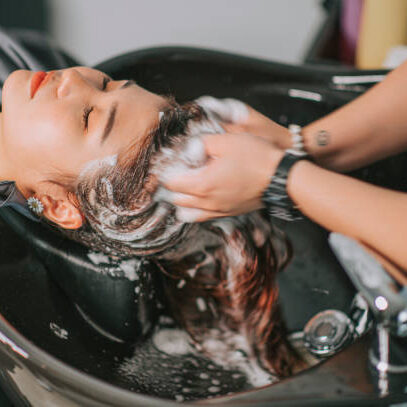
215, 144
185, 180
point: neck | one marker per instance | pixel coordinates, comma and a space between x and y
4, 173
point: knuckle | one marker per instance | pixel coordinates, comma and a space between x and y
204, 189
200, 190
226, 208
212, 206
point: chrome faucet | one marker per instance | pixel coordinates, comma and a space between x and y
388, 302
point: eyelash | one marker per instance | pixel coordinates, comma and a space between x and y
88, 110
106, 80
85, 116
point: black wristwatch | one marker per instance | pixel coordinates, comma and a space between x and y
275, 196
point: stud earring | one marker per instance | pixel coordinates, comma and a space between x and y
35, 205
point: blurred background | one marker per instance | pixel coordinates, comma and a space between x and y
94, 30
362, 33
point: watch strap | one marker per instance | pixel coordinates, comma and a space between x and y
275, 196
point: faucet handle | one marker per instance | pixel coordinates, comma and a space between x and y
382, 293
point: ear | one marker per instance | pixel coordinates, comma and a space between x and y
62, 212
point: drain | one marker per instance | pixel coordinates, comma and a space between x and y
328, 332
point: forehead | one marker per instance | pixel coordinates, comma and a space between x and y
137, 114
87, 71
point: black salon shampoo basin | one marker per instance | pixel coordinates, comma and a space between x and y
73, 327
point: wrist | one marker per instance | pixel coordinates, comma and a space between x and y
294, 137
274, 157
318, 142
275, 196
292, 180
284, 140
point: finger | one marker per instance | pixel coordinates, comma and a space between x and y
185, 200
177, 198
234, 128
195, 182
181, 179
192, 215
216, 144
165, 195
191, 201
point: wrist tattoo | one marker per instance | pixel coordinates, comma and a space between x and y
322, 138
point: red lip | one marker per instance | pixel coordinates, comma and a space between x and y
39, 79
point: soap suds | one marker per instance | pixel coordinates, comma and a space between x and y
130, 268
98, 258
181, 283
227, 349
226, 110
95, 165
172, 342
201, 304
169, 365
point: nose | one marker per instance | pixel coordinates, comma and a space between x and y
71, 80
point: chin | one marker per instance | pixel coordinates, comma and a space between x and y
16, 87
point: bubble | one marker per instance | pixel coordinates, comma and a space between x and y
201, 304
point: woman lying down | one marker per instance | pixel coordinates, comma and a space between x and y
89, 152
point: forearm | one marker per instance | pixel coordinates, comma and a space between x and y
372, 127
373, 215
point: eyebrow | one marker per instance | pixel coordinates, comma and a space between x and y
127, 84
112, 113
109, 122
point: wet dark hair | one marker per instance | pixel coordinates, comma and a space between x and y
131, 181
242, 295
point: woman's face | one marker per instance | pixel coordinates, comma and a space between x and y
75, 116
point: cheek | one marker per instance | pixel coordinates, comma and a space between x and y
15, 97
36, 141
16, 89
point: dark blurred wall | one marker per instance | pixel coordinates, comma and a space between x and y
24, 14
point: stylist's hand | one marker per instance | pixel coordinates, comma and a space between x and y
238, 117
263, 127
232, 182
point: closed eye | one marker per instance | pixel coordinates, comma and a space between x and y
106, 80
85, 118
88, 110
